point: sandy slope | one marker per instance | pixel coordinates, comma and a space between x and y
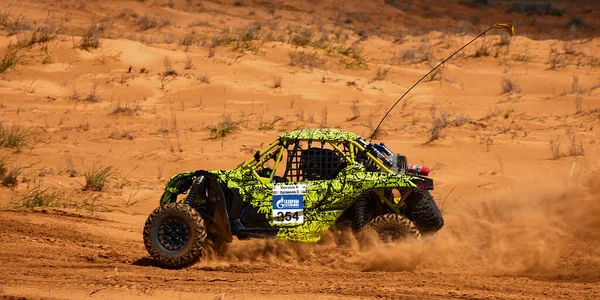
519, 224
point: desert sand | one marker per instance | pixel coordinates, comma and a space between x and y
509, 128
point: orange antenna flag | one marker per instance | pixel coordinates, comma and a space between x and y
508, 26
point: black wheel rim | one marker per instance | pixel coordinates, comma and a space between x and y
173, 234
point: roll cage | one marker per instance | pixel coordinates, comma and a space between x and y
346, 152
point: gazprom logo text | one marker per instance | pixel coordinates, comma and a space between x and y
288, 202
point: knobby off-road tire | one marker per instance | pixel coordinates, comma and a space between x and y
174, 235
422, 210
392, 227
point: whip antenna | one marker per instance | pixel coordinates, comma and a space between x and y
508, 26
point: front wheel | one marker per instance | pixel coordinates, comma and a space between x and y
393, 227
423, 211
174, 235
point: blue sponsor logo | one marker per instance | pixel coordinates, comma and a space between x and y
288, 202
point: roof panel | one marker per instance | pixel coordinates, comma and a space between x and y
320, 134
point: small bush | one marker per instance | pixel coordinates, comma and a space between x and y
8, 177
576, 147
223, 128
483, 49
575, 87
509, 86
394, 3
408, 54
146, 22
10, 59
264, 126
351, 56
189, 63
204, 78
436, 75
16, 137
555, 148
355, 111
305, 59
246, 39
276, 82
301, 38
504, 40
91, 38
578, 103
474, 3
128, 108
96, 179
169, 71
43, 197
188, 39
3, 166
575, 22
381, 74
534, 8
557, 60
522, 57
92, 97
439, 121
39, 34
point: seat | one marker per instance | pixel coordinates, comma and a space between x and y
320, 164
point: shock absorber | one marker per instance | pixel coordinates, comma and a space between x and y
360, 213
194, 191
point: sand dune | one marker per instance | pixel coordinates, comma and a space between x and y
509, 128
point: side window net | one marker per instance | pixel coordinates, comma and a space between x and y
307, 160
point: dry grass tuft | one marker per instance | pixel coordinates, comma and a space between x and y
97, 178
265, 126
305, 59
91, 38
17, 138
40, 33
276, 82
381, 74
189, 63
204, 78
8, 174
509, 86
355, 111
578, 104
169, 71
439, 121
92, 97
223, 128
555, 148
44, 197
129, 108
576, 147
10, 59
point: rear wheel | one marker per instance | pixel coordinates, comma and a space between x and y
174, 235
393, 227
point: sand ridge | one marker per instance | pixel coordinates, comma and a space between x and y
509, 128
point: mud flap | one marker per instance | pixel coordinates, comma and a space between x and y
220, 226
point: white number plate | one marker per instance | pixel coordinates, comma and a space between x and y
288, 204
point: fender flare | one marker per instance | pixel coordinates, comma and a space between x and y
216, 215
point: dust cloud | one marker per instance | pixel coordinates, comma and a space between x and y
537, 228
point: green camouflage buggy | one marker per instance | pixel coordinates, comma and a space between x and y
305, 183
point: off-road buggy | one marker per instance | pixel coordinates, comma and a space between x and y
305, 183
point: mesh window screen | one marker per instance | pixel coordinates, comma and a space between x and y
306, 161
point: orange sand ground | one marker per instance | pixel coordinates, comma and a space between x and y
520, 223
